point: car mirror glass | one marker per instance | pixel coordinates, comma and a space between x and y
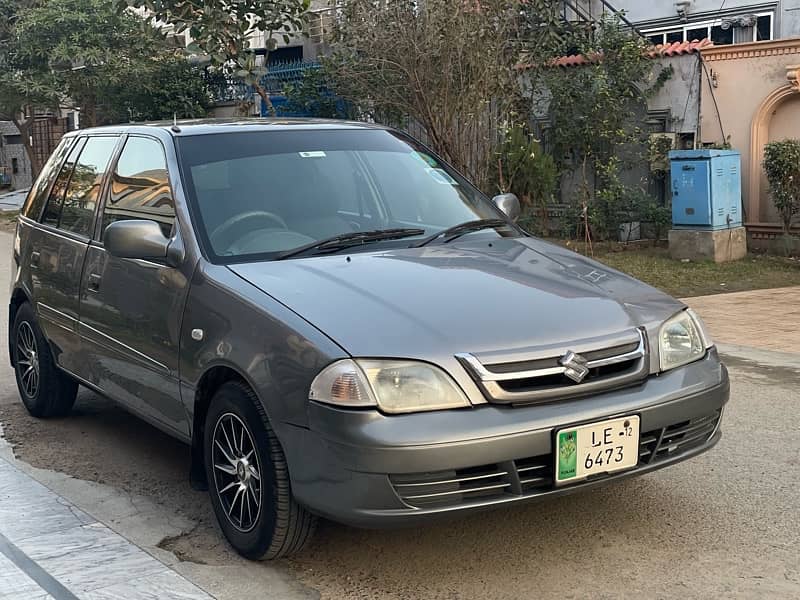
135, 238
509, 205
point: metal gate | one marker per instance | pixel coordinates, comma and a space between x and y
46, 132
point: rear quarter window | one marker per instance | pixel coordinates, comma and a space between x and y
38, 194
55, 200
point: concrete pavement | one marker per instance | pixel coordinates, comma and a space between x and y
49, 548
767, 319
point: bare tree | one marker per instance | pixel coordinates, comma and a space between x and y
448, 66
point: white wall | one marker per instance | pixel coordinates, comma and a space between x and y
680, 94
787, 12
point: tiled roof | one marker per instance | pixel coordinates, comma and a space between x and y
662, 50
678, 48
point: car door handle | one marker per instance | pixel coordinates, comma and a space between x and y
94, 282
35, 259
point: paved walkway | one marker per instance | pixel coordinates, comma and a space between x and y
767, 319
49, 549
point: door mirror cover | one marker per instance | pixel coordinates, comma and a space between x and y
136, 238
509, 205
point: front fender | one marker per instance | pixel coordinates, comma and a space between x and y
276, 351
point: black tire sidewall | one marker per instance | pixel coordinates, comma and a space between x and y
230, 398
39, 405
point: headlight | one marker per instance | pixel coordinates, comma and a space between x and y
682, 339
394, 386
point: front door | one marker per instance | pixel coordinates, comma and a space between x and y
130, 310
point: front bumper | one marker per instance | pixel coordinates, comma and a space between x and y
372, 470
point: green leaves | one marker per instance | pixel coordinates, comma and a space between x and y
520, 166
26, 81
597, 112
221, 29
171, 87
782, 165
113, 64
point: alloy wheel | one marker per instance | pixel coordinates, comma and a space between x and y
27, 359
237, 472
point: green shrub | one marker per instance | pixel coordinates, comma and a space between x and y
523, 168
782, 164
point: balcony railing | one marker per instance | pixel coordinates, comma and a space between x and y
228, 89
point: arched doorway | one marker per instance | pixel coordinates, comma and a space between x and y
777, 118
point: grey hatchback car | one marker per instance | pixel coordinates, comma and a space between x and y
340, 325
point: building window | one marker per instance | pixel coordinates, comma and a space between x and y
764, 28
719, 31
15, 166
12, 139
721, 36
674, 36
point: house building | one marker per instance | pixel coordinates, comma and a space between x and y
46, 130
723, 22
750, 96
738, 86
15, 168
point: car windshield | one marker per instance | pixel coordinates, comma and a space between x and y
258, 195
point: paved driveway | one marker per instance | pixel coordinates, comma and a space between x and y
768, 319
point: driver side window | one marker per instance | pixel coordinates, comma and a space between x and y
140, 186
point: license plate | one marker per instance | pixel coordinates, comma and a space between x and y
602, 447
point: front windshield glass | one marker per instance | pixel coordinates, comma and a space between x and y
260, 194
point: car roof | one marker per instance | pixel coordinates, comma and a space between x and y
182, 128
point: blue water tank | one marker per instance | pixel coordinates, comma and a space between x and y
706, 189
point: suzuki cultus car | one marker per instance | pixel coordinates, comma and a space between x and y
340, 325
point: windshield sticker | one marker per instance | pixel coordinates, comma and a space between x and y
441, 176
428, 160
314, 154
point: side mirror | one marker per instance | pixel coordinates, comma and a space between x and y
136, 238
509, 205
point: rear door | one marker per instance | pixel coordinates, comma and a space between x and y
57, 247
131, 310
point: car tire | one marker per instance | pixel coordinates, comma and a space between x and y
248, 479
46, 390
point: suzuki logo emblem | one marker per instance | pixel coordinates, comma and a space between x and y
574, 366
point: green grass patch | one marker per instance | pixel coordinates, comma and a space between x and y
686, 279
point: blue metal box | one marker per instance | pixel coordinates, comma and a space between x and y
706, 189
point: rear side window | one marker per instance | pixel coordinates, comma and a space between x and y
55, 200
38, 196
140, 186
83, 191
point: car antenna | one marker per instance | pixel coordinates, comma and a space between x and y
175, 127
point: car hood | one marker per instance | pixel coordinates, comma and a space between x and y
476, 297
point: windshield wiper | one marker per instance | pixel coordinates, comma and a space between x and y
452, 233
348, 240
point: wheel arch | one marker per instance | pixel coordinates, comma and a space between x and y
210, 381
18, 297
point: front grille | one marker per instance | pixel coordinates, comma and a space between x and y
447, 488
534, 475
486, 482
666, 442
610, 363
